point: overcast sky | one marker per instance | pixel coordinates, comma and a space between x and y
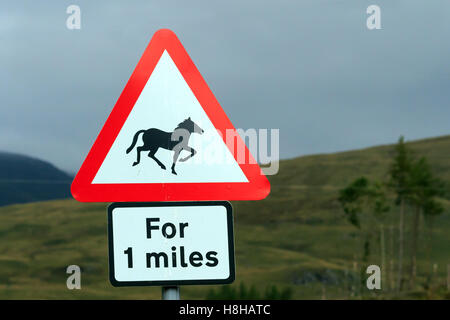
310, 68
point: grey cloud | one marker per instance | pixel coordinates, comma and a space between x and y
310, 68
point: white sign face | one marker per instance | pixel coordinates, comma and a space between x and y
164, 104
172, 243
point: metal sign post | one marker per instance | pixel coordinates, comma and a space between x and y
171, 293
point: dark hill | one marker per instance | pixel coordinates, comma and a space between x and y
26, 179
296, 238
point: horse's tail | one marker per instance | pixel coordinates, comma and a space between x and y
134, 140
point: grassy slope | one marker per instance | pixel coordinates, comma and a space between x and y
296, 237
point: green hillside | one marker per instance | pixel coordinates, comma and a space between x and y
297, 238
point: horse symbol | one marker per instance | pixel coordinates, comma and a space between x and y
176, 141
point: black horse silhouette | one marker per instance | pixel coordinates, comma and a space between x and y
177, 141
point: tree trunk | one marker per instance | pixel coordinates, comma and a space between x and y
415, 237
400, 246
430, 249
383, 255
355, 287
428, 235
392, 257
448, 277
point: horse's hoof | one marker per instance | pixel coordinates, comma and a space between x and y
135, 163
163, 167
173, 171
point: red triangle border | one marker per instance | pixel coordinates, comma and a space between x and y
82, 188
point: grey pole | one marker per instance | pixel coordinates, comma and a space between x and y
171, 293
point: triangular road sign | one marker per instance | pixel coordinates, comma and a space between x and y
168, 139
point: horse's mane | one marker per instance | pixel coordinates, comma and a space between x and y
186, 124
